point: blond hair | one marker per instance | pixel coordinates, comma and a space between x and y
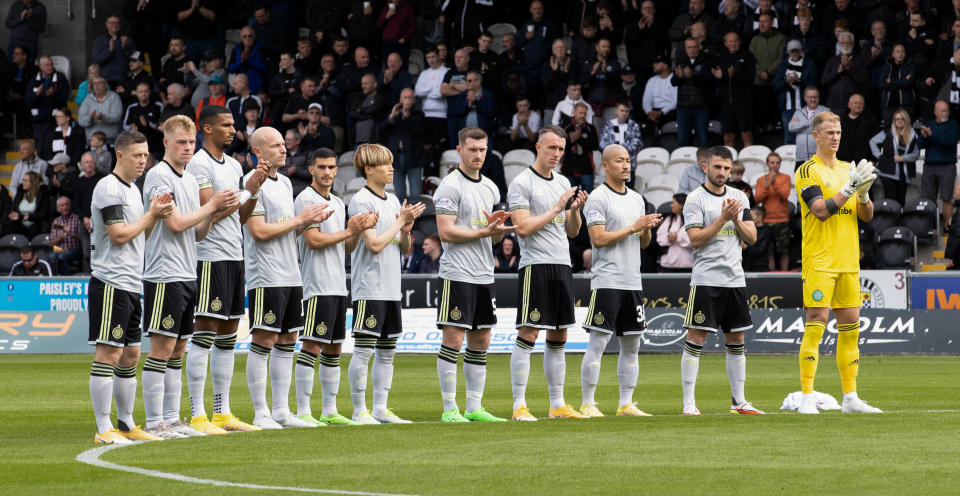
822, 117
178, 122
371, 155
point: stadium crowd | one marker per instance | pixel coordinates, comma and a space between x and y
411, 73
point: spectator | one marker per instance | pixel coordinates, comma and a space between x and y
112, 52
295, 113
895, 80
694, 84
767, 47
608, 21
248, 123
772, 192
800, 124
341, 48
733, 20
600, 76
536, 36
30, 265
64, 176
556, 73
796, 72
30, 214
172, 64
271, 35
393, 79
329, 93
698, 32
430, 264
920, 42
248, 58
6, 204
525, 126
485, 60
841, 10
144, 116
736, 180
367, 110
510, 56
506, 260
305, 59
810, 40
362, 27
845, 73
26, 19
133, 78
455, 84
878, 46
296, 165
102, 151
176, 103
896, 152
465, 19
475, 107
29, 162
324, 19
93, 72
630, 90
397, 25
402, 132
624, 131
858, 127
101, 111
285, 84
584, 44
315, 133
582, 141
217, 95
83, 187
66, 236
429, 90
200, 80
351, 75
147, 33
201, 24
680, 29
241, 91
756, 257
660, 94
695, 174
673, 236
735, 72
939, 137
953, 73
46, 92
21, 73
646, 39
563, 112
67, 137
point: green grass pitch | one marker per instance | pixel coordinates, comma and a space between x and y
913, 449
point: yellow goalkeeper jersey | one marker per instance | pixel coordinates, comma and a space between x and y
832, 245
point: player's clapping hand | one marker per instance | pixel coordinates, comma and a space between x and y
565, 199
258, 177
499, 215
226, 199
579, 200
409, 213
731, 209
315, 214
162, 206
495, 226
647, 222
362, 222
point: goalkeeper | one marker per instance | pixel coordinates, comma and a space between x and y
835, 194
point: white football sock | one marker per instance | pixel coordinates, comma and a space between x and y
303, 371
281, 368
125, 394
101, 394
197, 360
447, 373
257, 378
590, 367
689, 366
172, 389
736, 372
152, 375
221, 371
520, 371
330, 382
357, 375
382, 375
475, 375
627, 367
555, 368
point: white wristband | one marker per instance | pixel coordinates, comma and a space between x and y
244, 196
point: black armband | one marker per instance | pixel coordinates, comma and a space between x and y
811, 194
746, 215
832, 207
112, 214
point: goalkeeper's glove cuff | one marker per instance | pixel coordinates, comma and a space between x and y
864, 197
849, 189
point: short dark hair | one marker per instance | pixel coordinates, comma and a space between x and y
556, 130
211, 112
485, 34
720, 151
320, 153
471, 132
250, 104
430, 49
28, 249
127, 138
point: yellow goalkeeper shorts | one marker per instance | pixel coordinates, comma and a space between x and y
831, 289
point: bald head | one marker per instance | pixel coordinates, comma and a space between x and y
263, 135
614, 150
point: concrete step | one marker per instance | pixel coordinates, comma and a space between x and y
7, 167
939, 253
13, 156
932, 267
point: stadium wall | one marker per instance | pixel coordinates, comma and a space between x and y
71, 37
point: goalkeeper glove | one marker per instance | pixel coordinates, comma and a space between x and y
861, 177
867, 171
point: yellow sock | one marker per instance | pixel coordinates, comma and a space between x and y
810, 353
848, 355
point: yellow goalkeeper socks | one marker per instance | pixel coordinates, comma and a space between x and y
848, 355
810, 353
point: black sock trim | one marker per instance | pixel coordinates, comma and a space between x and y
386, 343
306, 359
556, 345
155, 365
202, 340
474, 357
289, 348
448, 354
226, 341
100, 369
364, 342
524, 344
260, 350
175, 363
329, 360
692, 349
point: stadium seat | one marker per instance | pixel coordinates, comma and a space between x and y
754, 154
429, 208
920, 216
648, 170
547, 116
355, 184
430, 184
664, 182
347, 196
733, 151
510, 172
521, 156
622, 54
640, 182
657, 197
684, 155
498, 154
449, 160
897, 245
667, 135
233, 35
498, 30
338, 186
886, 214
714, 127
676, 169
10, 251
61, 64
753, 170
15, 241
41, 240
609, 113
788, 153
345, 160
346, 172
415, 62
597, 158
653, 155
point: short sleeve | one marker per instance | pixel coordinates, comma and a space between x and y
806, 177
156, 185
446, 200
260, 208
518, 196
109, 201
359, 205
692, 213
201, 170
595, 212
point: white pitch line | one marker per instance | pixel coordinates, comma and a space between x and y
92, 457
